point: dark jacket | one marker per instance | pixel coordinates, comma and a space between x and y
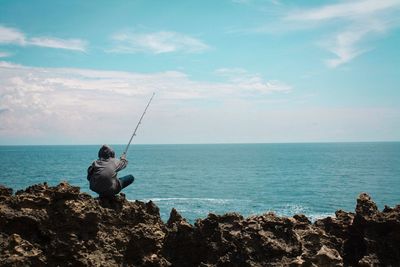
102, 174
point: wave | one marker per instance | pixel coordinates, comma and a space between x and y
193, 208
195, 199
317, 216
290, 210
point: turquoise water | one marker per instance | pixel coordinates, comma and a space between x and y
314, 179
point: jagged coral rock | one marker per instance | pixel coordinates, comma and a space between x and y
70, 228
328, 257
60, 226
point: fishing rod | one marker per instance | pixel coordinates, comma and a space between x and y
137, 126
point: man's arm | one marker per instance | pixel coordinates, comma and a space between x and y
121, 163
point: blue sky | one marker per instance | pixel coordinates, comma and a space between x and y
228, 71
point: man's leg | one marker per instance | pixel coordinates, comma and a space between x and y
126, 180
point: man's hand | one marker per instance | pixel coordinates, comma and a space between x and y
123, 156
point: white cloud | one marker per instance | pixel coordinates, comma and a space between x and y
77, 106
16, 37
156, 42
357, 22
11, 36
347, 10
70, 103
5, 54
252, 81
344, 46
71, 44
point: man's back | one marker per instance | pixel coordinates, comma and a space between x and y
102, 174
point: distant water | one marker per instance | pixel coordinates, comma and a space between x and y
313, 179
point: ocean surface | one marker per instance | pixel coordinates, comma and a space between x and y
315, 179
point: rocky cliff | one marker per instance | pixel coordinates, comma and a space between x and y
60, 226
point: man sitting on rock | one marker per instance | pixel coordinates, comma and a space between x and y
102, 174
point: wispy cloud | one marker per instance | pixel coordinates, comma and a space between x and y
346, 44
71, 44
252, 81
156, 42
62, 100
357, 22
5, 54
16, 37
11, 36
352, 10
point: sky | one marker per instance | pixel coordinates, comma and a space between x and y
226, 71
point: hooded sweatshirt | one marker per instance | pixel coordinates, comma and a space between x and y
102, 174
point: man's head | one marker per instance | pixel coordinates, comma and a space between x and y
106, 152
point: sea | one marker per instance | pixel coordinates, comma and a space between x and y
314, 179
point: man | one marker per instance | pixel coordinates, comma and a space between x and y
102, 174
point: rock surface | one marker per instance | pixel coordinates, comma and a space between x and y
60, 226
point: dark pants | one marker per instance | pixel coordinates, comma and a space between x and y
126, 180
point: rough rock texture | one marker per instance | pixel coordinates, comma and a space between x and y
59, 226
